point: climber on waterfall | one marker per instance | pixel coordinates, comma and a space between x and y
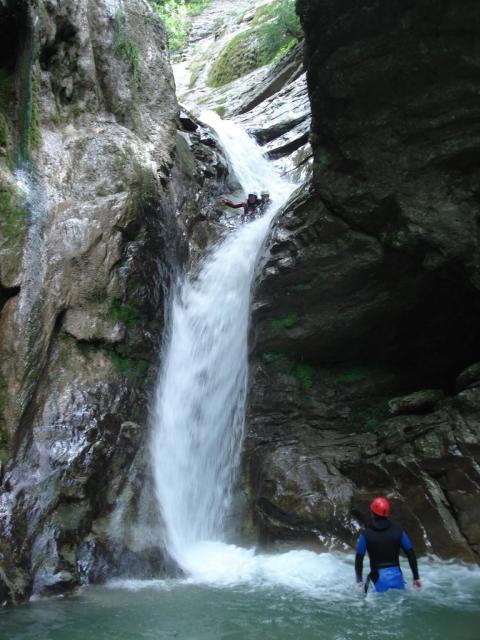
251, 207
265, 201
383, 539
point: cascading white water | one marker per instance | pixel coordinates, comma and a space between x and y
200, 402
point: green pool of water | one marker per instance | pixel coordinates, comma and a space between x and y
262, 607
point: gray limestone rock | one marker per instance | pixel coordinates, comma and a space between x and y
111, 201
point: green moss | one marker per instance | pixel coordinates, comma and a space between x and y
374, 416
34, 130
239, 57
277, 359
6, 99
147, 192
4, 132
306, 375
132, 368
353, 375
285, 322
12, 216
145, 183
127, 51
125, 312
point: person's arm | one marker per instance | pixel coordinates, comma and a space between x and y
361, 549
412, 558
232, 205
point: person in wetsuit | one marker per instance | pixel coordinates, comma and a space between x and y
265, 201
251, 206
383, 539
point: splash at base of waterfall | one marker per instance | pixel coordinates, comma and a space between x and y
328, 577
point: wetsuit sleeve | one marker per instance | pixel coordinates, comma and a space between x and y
410, 553
232, 205
361, 549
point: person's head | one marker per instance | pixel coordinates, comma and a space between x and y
380, 507
252, 197
265, 196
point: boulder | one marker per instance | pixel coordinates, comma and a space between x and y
469, 377
418, 402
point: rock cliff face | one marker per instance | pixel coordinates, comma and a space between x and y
98, 184
367, 302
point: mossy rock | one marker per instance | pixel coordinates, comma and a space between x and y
275, 30
239, 57
12, 215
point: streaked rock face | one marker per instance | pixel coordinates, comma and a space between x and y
367, 299
111, 210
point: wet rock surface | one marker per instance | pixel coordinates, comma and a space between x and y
103, 211
365, 305
271, 102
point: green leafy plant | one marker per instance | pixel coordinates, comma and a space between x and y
280, 29
285, 322
177, 17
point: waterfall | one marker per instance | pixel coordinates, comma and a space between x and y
200, 398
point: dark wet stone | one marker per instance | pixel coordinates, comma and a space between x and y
469, 377
368, 295
418, 402
187, 122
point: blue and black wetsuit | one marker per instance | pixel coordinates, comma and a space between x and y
383, 540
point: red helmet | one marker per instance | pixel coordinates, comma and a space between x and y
380, 507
